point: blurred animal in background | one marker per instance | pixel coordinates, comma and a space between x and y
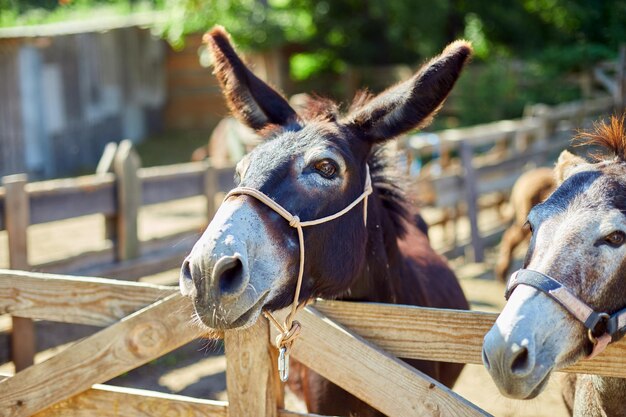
530, 189
231, 140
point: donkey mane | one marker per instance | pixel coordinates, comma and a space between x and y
611, 137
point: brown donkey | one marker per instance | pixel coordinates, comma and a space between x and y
315, 163
530, 189
569, 300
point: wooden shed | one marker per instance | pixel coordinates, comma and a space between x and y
67, 89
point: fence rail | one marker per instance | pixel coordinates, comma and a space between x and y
491, 157
118, 196
355, 345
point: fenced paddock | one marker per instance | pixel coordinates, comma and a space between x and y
355, 345
480, 164
117, 193
481, 161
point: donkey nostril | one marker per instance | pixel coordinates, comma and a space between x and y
520, 362
229, 273
185, 271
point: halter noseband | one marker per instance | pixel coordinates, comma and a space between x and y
290, 330
610, 327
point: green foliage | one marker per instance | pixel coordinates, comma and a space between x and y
525, 50
254, 24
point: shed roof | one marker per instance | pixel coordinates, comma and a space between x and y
96, 24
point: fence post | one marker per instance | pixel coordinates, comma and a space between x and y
128, 189
105, 165
17, 218
471, 198
251, 375
211, 188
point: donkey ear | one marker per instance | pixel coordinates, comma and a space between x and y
566, 165
411, 104
251, 100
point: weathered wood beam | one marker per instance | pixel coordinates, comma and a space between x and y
125, 345
80, 300
111, 401
443, 335
371, 374
251, 377
17, 220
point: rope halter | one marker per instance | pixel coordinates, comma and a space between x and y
290, 329
602, 328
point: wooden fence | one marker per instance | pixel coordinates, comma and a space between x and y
355, 345
490, 159
487, 159
118, 195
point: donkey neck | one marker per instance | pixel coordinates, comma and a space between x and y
383, 260
598, 396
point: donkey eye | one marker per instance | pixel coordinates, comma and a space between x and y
326, 168
616, 239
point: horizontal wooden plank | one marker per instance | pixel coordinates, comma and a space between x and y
91, 194
157, 255
81, 300
149, 264
67, 198
73, 263
386, 383
127, 344
112, 401
173, 182
609, 83
443, 335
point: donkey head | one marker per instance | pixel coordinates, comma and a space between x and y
578, 237
313, 164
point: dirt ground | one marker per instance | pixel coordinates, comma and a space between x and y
198, 369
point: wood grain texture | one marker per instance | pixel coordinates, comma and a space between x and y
125, 166
443, 335
125, 345
250, 375
371, 374
111, 401
80, 300
17, 219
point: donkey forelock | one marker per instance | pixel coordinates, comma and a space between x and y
610, 136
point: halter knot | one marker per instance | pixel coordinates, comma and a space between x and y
287, 338
294, 222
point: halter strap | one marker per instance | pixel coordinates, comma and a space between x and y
602, 328
290, 329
